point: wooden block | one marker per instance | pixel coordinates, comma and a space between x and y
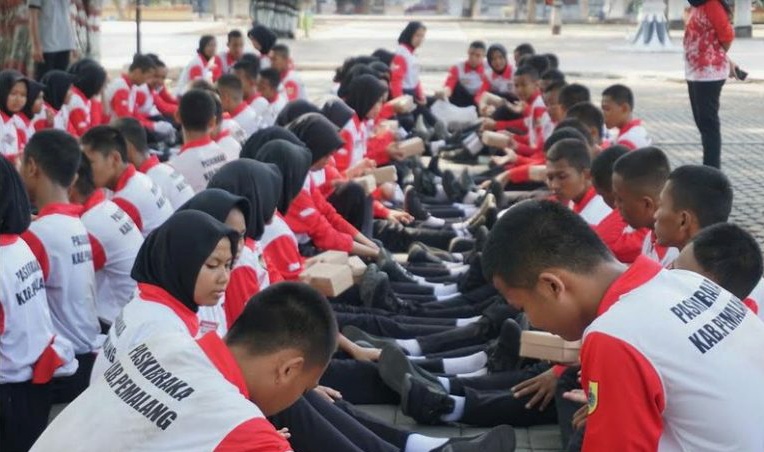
390, 124
332, 257
412, 147
368, 183
403, 103
495, 139
357, 268
385, 174
329, 279
547, 346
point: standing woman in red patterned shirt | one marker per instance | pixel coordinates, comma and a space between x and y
707, 38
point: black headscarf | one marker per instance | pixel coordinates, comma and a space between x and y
89, 76
320, 136
57, 84
217, 203
493, 49
173, 254
384, 56
293, 161
293, 110
381, 70
363, 93
34, 88
337, 111
264, 36
356, 71
8, 78
263, 136
258, 182
349, 63
15, 211
407, 35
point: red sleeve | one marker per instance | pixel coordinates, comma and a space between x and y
120, 108
78, 122
720, 21
292, 89
376, 147
626, 398
530, 151
96, 112
331, 175
283, 255
40, 124
379, 210
194, 73
397, 73
627, 144
452, 79
131, 211
217, 71
558, 370
274, 274
515, 124
752, 305
387, 112
328, 211
242, 286
342, 156
624, 242
167, 96
304, 217
38, 249
164, 107
99, 255
254, 435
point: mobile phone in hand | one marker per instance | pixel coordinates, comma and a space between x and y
740, 74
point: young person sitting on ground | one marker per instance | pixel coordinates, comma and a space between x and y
291, 82
235, 49
468, 80
618, 109
271, 101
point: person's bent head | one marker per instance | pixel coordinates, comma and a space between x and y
573, 94
617, 105
197, 111
568, 169
638, 178
693, 198
571, 123
551, 96
521, 51
283, 341
280, 58
526, 82
51, 159
231, 92
235, 44
106, 149
590, 116
320, 136
135, 138
545, 260
83, 186
602, 172
727, 255
268, 83
142, 69
476, 53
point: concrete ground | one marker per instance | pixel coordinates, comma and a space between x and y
589, 54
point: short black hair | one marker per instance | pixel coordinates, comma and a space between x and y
477, 45
525, 49
203, 85
281, 49
272, 76
572, 150
157, 61
703, 190
197, 108
538, 62
574, 93
602, 166
143, 63
249, 64
578, 125
56, 153
530, 71
287, 315
554, 61
231, 85
84, 184
234, 34
553, 75
533, 236
645, 169
563, 133
105, 140
589, 114
133, 133
555, 86
620, 94
731, 255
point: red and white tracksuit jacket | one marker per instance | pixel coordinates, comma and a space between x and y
124, 99
504, 82
662, 254
473, 79
142, 199
280, 249
199, 67
268, 110
226, 62
633, 135
9, 138
249, 276
292, 86
166, 103
173, 184
247, 118
24, 130
404, 73
592, 208
230, 146
79, 113
624, 241
198, 161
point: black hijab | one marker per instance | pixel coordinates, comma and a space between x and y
384, 56
89, 76
381, 70
217, 203
34, 88
264, 36
363, 93
263, 136
354, 72
293, 161
320, 136
407, 35
293, 110
57, 84
173, 254
8, 78
15, 211
493, 49
259, 183
337, 111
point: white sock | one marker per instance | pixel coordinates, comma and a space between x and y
458, 270
470, 197
445, 382
420, 443
435, 146
448, 297
458, 411
459, 227
458, 256
468, 209
465, 364
464, 322
411, 346
477, 373
433, 222
440, 290
398, 194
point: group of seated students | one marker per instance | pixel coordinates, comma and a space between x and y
162, 300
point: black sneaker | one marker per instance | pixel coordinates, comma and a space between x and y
466, 183
498, 192
424, 182
504, 353
461, 245
387, 264
434, 166
449, 185
393, 366
423, 402
413, 205
460, 156
355, 334
481, 236
375, 288
418, 254
498, 439
479, 218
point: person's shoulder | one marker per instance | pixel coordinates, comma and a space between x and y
254, 435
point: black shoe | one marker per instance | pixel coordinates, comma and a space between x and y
418, 253
394, 271
393, 366
461, 245
423, 402
375, 290
413, 205
424, 182
504, 353
498, 192
459, 156
479, 218
449, 185
355, 334
444, 256
466, 183
434, 166
498, 439
481, 236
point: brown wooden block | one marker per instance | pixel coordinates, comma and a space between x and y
412, 147
329, 279
385, 174
547, 346
495, 139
